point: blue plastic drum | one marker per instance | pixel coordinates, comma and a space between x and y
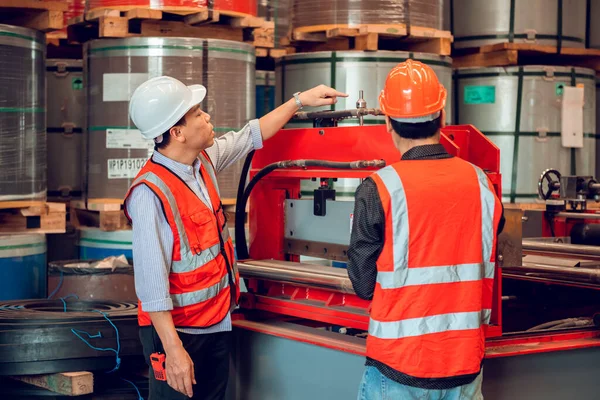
96, 244
23, 267
265, 92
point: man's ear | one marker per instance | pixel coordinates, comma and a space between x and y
176, 134
443, 118
388, 125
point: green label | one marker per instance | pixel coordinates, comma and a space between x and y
560, 89
480, 94
77, 84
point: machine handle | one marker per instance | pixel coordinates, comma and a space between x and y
553, 185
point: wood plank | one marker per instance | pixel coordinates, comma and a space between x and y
264, 37
310, 37
174, 28
113, 27
46, 21
367, 42
277, 53
40, 5
499, 58
142, 13
96, 15
21, 204
261, 52
441, 46
198, 18
66, 383
246, 22
101, 204
348, 32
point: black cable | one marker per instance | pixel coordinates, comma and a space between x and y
240, 232
240, 214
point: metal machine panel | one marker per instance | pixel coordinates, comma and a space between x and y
334, 227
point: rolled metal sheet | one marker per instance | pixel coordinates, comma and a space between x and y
544, 22
520, 110
37, 336
22, 114
423, 13
115, 68
298, 273
278, 11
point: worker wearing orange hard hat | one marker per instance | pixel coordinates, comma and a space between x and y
422, 249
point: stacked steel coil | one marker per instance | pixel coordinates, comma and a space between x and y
238, 6
546, 22
422, 13
115, 68
41, 336
22, 114
278, 11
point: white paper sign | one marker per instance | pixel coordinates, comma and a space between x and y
120, 87
127, 139
572, 117
124, 168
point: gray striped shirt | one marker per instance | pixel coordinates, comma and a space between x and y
152, 235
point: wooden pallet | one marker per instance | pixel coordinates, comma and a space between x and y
44, 16
32, 217
274, 53
507, 54
181, 22
106, 214
65, 383
371, 37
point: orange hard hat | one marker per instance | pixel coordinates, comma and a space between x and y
412, 91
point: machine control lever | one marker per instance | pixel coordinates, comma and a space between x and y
574, 189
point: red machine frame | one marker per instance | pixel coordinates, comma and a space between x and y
266, 217
277, 301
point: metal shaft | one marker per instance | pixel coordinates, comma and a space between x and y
587, 275
316, 276
563, 248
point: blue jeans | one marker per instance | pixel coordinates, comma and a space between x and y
376, 386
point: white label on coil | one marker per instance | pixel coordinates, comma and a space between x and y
120, 87
124, 168
127, 139
572, 117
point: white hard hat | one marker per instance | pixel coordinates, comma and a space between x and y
159, 103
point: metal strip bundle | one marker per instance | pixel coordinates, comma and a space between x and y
422, 13
22, 114
39, 336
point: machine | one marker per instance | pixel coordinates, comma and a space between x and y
301, 329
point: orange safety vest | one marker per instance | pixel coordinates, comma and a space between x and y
203, 269
435, 274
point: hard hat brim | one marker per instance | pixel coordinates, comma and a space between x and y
198, 94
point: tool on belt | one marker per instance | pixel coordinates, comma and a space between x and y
158, 365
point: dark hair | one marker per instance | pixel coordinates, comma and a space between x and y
166, 137
419, 130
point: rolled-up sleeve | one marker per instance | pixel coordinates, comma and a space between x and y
366, 240
152, 250
233, 146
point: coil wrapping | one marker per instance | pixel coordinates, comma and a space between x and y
278, 11
22, 114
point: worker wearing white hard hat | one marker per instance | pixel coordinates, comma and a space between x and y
185, 274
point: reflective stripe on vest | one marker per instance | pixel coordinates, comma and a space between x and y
427, 325
200, 296
403, 276
189, 261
